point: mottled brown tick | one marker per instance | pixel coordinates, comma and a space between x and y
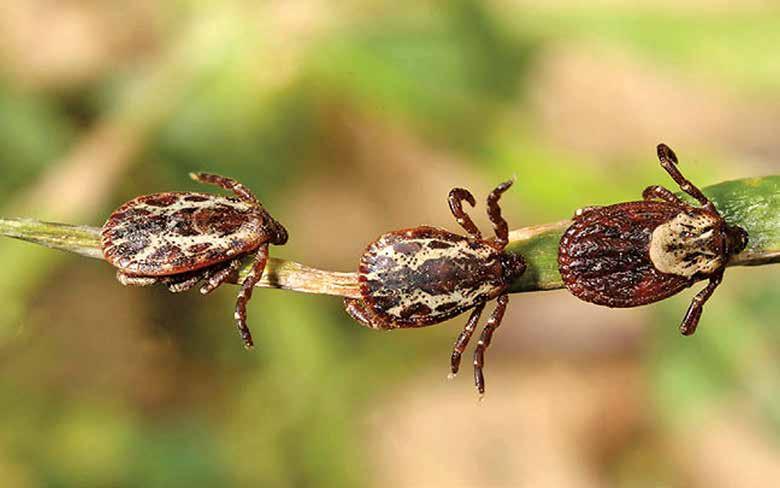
182, 238
426, 275
635, 253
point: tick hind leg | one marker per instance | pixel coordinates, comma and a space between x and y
463, 338
185, 281
484, 341
229, 184
494, 212
456, 198
129, 280
245, 294
660, 193
362, 314
669, 162
692, 316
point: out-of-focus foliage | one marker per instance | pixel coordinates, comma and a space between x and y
350, 120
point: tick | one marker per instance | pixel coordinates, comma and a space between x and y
182, 238
425, 275
635, 253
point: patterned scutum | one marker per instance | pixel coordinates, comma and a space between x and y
423, 276
689, 244
604, 256
170, 233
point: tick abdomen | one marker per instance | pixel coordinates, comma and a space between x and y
605, 255
425, 275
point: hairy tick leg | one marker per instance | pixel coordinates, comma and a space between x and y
185, 281
692, 316
464, 337
229, 184
484, 341
245, 294
669, 162
456, 198
218, 277
661, 193
129, 280
494, 213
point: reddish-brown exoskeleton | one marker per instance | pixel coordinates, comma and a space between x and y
635, 253
182, 238
425, 275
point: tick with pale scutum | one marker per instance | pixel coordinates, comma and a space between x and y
635, 253
426, 275
182, 238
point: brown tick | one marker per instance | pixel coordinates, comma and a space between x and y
635, 253
426, 275
182, 238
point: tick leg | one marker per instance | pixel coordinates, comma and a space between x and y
129, 280
246, 294
464, 337
362, 313
184, 282
456, 198
661, 193
229, 184
218, 277
494, 212
669, 162
484, 341
692, 316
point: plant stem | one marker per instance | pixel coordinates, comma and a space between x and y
752, 203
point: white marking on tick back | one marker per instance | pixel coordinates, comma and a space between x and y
457, 249
686, 245
169, 236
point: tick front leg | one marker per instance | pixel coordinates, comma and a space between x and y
226, 183
456, 198
661, 193
464, 337
494, 212
218, 277
692, 316
246, 294
669, 162
484, 341
129, 280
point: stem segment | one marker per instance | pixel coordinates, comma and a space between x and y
752, 203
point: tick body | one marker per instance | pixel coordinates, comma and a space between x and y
182, 238
425, 275
635, 253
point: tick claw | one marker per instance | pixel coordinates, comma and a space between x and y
451, 376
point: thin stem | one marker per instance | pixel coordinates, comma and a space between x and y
751, 203
85, 241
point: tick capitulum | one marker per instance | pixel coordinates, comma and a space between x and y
425, 275
635, 253
182, 238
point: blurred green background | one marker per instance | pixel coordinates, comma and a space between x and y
350, 119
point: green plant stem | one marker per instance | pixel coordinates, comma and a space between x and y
752, 203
